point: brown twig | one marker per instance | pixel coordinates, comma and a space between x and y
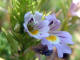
53, 56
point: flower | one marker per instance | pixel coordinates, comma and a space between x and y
35, 26
58, 39
75, 8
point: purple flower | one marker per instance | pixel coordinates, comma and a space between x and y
35, 26
75, 8
46, 30
58, 39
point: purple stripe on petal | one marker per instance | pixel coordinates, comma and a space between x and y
54, 23
55, 26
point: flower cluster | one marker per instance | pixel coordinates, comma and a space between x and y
46, 31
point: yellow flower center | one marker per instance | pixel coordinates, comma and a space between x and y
35, 32
51, 38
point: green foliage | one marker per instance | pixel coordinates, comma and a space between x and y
17, 39
5, 50
29, 55
47, 6
18, 9
12, 42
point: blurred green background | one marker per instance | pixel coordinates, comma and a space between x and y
60, 7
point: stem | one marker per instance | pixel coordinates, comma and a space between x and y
53, 56
38, 55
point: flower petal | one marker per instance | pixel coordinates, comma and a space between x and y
75, 1
62, 48
54, 23
43, 26
64, 36
66, 49
44, 29
75, 8
38, 16
28, 16
50, 17
25, 26
44, 41
77, 13
59, 50
44, 35
39, 35
48, 43
50, 47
